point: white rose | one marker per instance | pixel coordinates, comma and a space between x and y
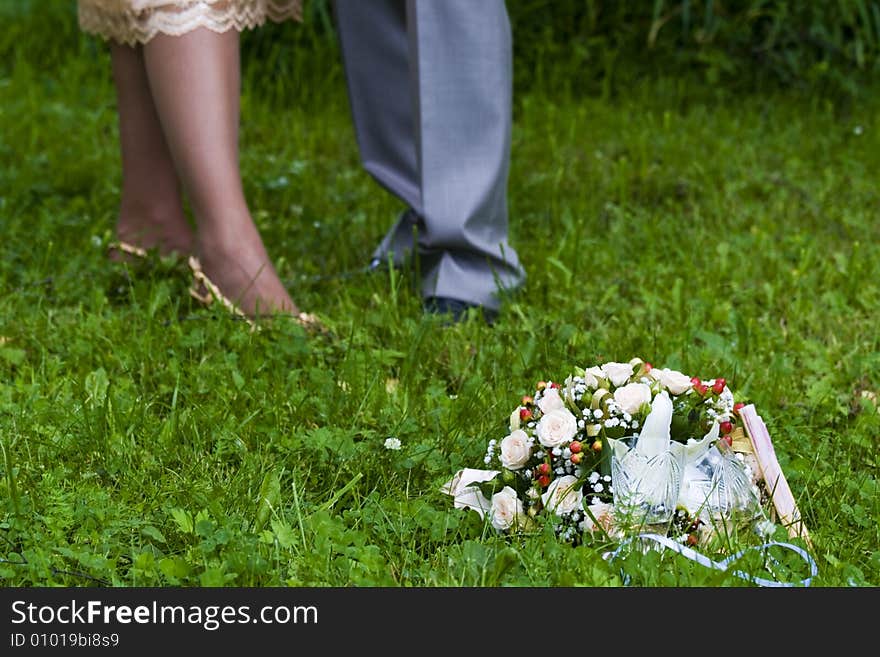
515, 450
550, 400
618, 373
468, 495
592, 376
563, 495
514, 421
556, 428
675, 382
506, 509
631, 397
602, 512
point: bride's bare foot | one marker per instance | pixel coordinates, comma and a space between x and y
242, 272
168, 233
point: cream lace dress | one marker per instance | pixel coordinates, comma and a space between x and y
134, 22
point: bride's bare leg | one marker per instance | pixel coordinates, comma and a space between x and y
195, 82
151, 208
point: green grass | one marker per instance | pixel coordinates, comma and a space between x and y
147, 441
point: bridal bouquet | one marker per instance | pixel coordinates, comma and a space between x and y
618, 448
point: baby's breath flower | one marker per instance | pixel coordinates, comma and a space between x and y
394, 443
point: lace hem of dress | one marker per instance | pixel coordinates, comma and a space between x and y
132, 27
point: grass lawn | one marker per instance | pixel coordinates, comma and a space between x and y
148, 441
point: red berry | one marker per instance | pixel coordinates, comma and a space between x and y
555, 385
718, 386
701, 389
728, 439
526, 400
648, 367
737, 407
597, 446
544, 480
524, 414
576, 458
692, 539
695, 381
544, 469
575, 447
726, 427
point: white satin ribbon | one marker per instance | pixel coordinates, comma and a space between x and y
703, 560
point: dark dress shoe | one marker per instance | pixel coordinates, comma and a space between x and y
455, 309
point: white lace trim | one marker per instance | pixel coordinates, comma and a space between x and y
137, 21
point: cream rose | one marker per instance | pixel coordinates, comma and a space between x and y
675, 382
556, 428
592, 376
617, 373
507, 509
515, 450
631, 397
602, 512
514, 420
563, 496
550, 400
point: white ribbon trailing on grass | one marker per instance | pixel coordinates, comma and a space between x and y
703, 560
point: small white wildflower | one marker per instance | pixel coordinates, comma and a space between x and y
581, 424
635, 424
556, 451
594, 477
612, 422
595, 500
606, 478
560, 470
764, 528
486, 459
394, 443
598, 488
566, 453
598, 414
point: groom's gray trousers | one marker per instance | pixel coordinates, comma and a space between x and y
430, 88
